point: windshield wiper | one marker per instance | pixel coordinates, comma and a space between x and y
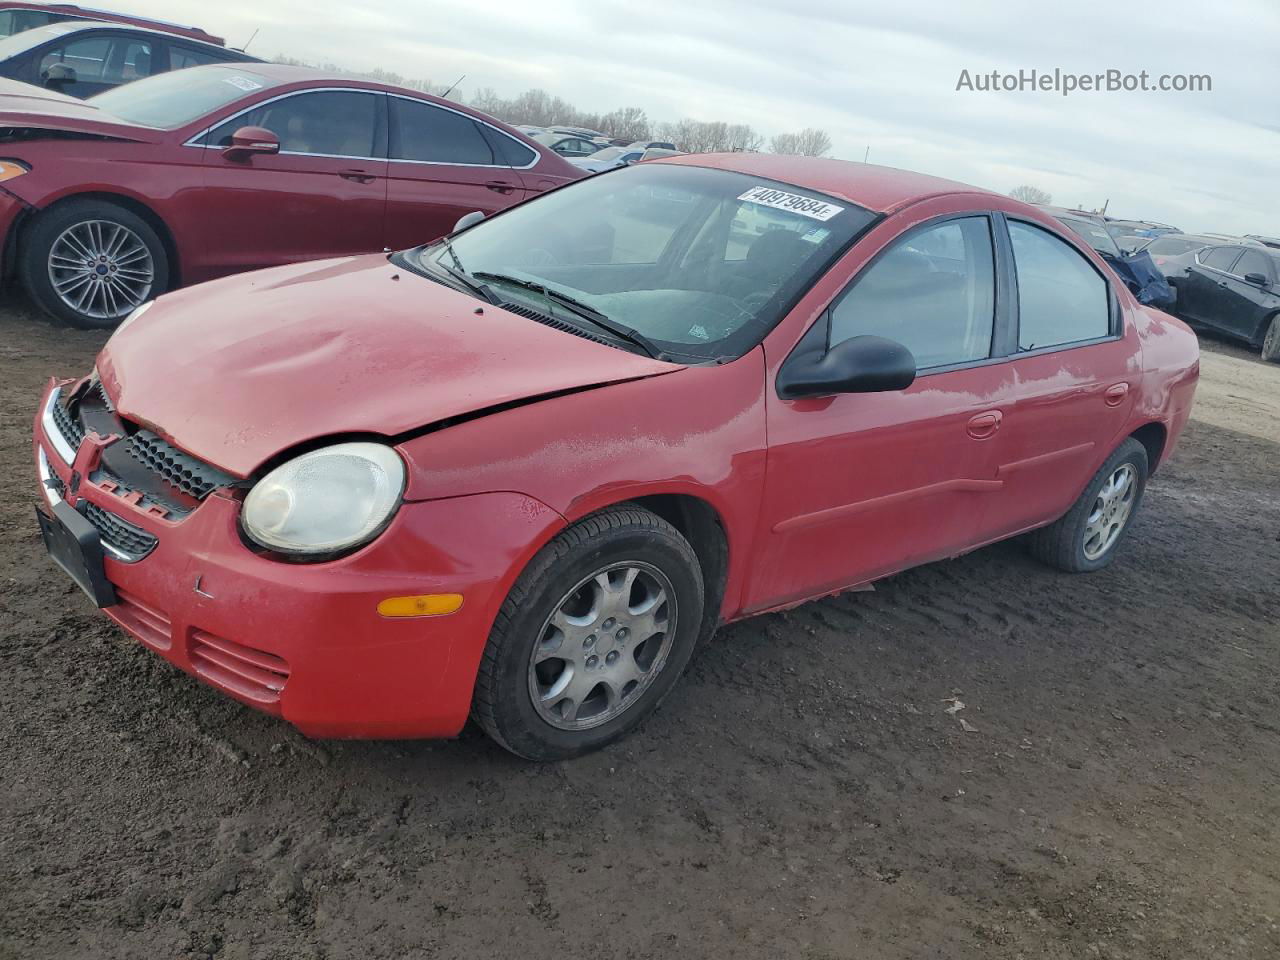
587, 312
460, 274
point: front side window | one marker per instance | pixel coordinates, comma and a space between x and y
1252, 261
932, 290
654, 247
16, 21
1061, 297
87, 57
335, 123
423, 132
1220, 258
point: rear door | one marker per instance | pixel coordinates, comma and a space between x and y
1198, 293
1069, 391
323, 195
444, 164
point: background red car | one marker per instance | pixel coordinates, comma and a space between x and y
190, 175
16, 16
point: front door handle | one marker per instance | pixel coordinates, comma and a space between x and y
501, 186
984, 425
359, 176
1115, 394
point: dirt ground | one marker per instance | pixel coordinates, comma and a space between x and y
804, 793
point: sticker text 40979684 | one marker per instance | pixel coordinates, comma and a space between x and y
791, 202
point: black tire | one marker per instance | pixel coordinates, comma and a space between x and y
1271, 342
503, 703
1062, 544
37, 245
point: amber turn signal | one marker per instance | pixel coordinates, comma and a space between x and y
11, 168
427, 605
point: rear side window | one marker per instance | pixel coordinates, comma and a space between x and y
1061, 297
1220, 258
427, 133
336, 123
507, 149
932, 290
182, 57
1253, 261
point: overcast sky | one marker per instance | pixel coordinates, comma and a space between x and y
876, 74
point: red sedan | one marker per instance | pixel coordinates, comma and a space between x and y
193, 174
519, 473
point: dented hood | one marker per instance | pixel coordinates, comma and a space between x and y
24, 106
236, 371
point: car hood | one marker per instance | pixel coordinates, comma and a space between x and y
237, 371
25, 106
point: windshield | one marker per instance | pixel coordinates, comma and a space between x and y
23, 39
1093, 234
172, 100
701, 263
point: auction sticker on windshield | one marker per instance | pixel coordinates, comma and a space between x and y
791, 202
244, 83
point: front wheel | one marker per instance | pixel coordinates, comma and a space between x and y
593, 635
1086, 537
1271, 343
90, 263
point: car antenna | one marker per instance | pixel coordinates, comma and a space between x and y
245, 48
454, 84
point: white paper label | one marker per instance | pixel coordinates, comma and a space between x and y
791, 202
244, 83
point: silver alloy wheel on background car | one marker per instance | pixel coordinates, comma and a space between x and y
603, 645
101, 269
1111, 511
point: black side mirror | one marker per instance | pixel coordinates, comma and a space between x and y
467, 220
858, 365
1257, 279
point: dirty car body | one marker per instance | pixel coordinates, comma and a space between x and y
666, 365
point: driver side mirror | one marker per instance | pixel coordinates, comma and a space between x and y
58, 76
1257, 279
247, 141
863, 364
468, 220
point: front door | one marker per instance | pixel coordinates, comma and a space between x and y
1198, 292
323, 195
862, 485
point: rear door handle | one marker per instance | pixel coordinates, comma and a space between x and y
984, 425
1115, 394
359, 176
501, 186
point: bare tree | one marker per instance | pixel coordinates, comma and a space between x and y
809, 142
709, 136
1029, 194
626, 123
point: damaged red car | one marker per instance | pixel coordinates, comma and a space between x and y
518, 474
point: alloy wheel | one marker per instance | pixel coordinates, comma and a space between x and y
101, 269
1111, 511
603, 645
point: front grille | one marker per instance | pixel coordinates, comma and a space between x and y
132, 542
254, 674
146, 623
193, 477
55, 484
67, 425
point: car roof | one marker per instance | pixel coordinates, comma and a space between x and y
74, 10
63, 28
869, 185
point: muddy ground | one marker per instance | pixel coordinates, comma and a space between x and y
804, 793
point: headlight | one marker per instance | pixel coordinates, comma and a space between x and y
327, 500
139, 311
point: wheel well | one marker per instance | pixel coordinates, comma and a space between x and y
700, 524
1265, 326
1153, 437
136, 207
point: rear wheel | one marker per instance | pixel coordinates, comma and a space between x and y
1086, 537
592, 636
90, 263
1271, 343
